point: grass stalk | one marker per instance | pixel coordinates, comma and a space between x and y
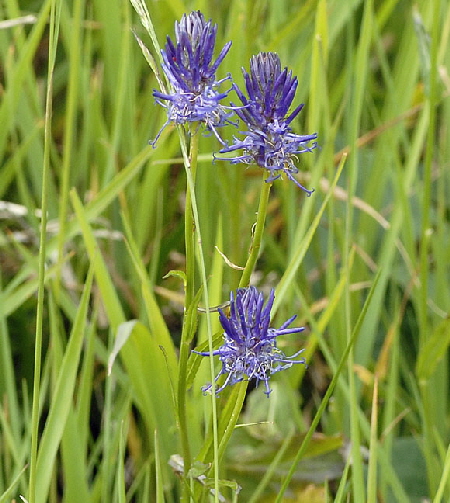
55, 14
425, 241
194, 224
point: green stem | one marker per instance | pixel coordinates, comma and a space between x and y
433, 101
69, 130
189, 235
55, 12
182, 421
257, 236
323, 404
189, 226
233, 407
427, 392
202, 270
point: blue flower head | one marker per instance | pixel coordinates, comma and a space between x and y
250, 346
191, 72
269, 141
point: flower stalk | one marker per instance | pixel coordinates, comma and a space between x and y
257, 235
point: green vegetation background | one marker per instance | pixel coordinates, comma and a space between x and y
374, 77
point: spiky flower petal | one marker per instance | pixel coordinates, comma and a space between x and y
250, 347
190, 69
269, 141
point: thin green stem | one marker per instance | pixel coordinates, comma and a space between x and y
356, 79
257, 236
182, 369
69, 129
236, 399
189, 225
424, 267
202, 270
193, 227
53, 41
323, 404
189, 235
433, 101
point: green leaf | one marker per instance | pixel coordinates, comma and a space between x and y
146, 365
409, 464
109, 293
62, 400
9, 491
176, 273
434, 349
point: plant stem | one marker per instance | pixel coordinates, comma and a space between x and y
55, 12
189, 235
189, 225
257, 236
202, 271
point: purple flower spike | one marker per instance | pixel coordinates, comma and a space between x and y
250, 347
269, 141
191, 71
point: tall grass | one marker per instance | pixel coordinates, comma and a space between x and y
100, 396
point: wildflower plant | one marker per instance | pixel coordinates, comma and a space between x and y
249, 350
269, 141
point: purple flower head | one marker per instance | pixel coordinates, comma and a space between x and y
269, 141
250, 346
191, 71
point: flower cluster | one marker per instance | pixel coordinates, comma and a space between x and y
189, 67
249, 350
269, 141
250, 347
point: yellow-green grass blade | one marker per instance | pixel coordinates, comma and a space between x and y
62, 401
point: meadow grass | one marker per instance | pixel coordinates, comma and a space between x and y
104, 291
